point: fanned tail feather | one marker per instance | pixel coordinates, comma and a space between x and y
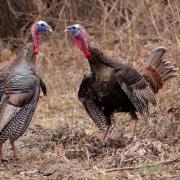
158, 70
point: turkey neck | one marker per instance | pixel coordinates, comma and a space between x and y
26, 57
101, 71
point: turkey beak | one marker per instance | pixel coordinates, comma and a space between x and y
49, 29
67, 29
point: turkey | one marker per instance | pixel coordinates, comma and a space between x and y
113, 86
20, 89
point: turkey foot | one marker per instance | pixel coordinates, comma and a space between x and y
1, 157
3, 160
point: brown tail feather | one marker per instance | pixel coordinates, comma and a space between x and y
158, 70
155, 57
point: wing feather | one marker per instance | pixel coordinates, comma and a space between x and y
8, 111
136, 88
92, 108
14, 98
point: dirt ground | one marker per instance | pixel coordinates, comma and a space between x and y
74, 151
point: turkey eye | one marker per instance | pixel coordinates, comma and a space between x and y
42, 25
74, 27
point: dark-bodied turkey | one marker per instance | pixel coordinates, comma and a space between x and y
20, 89
113, 86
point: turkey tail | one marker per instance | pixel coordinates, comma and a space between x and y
43, 87
158, 70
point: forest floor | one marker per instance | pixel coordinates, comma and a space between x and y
63, 143
71, 152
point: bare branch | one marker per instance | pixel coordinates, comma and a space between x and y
148, 165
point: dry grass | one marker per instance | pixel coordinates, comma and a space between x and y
127, 29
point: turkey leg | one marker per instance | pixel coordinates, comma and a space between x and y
105, 133
1, 156
14, 151
133, 127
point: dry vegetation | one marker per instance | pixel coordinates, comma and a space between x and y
128, 29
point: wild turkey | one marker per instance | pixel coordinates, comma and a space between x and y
116, 87
20, 89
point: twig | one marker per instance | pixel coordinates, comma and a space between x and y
178, 108
148, 165
154, 23
11, 9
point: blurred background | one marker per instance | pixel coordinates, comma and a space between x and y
129, 30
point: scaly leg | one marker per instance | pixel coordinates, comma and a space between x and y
14, 151
1, 151
105, 133
1, 156
133, 127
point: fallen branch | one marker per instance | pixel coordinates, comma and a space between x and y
148, 165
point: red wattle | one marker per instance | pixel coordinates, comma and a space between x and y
87, 53
36, 50
82, 46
